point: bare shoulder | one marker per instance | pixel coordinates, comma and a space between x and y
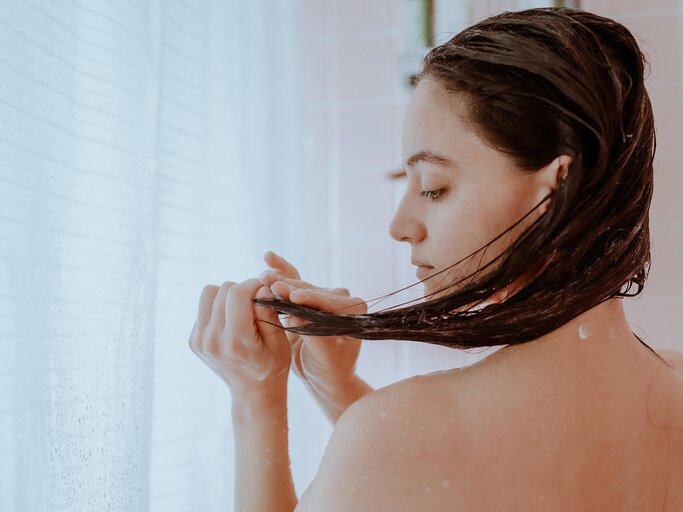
401, 447
520, 432
384, 455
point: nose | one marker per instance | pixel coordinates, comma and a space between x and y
406, 226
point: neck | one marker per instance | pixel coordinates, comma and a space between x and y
606, 321
600, 332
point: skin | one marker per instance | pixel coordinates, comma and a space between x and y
481, 192
582, 418
253, 359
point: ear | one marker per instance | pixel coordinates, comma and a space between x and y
549, 178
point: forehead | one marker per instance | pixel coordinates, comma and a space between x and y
433, 121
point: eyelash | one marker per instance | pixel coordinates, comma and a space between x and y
433, 195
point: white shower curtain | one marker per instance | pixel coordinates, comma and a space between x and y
146, 148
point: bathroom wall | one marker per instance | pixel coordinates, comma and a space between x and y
658, 26
355, 109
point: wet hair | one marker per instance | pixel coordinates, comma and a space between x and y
539, 83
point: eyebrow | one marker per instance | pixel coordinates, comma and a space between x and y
427, 156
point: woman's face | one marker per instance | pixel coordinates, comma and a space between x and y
478, 192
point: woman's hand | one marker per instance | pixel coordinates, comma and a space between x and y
323, 362
250, 356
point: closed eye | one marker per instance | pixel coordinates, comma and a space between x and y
433, 195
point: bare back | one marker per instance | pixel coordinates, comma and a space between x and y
594, 437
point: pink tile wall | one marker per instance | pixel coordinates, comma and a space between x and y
355, 110
658, 26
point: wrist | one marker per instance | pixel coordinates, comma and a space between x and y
342, 392
259, 403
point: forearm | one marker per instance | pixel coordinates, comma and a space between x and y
337, 399
263, 478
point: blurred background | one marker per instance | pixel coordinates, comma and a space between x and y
149, 148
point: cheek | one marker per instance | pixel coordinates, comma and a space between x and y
463, 227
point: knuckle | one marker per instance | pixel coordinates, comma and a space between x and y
227, 285
243, 288
213, 348
234, 291
214, 344
209, 289
233, 350
205, 336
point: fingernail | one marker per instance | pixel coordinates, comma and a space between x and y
287, 286
275, 293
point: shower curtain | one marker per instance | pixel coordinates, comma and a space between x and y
147, 148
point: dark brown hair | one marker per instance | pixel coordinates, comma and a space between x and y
540, 83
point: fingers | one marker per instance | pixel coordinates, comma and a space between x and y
205, 302
330, 302
217, 320
239, 311
269, 278
281, 265
266, 316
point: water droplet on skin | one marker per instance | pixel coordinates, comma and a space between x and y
445, 483
353, 487
382, 414
584, 333
428, 489
422, 428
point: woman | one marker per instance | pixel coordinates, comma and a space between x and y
531, 134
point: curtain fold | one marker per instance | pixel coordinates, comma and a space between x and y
146, 149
